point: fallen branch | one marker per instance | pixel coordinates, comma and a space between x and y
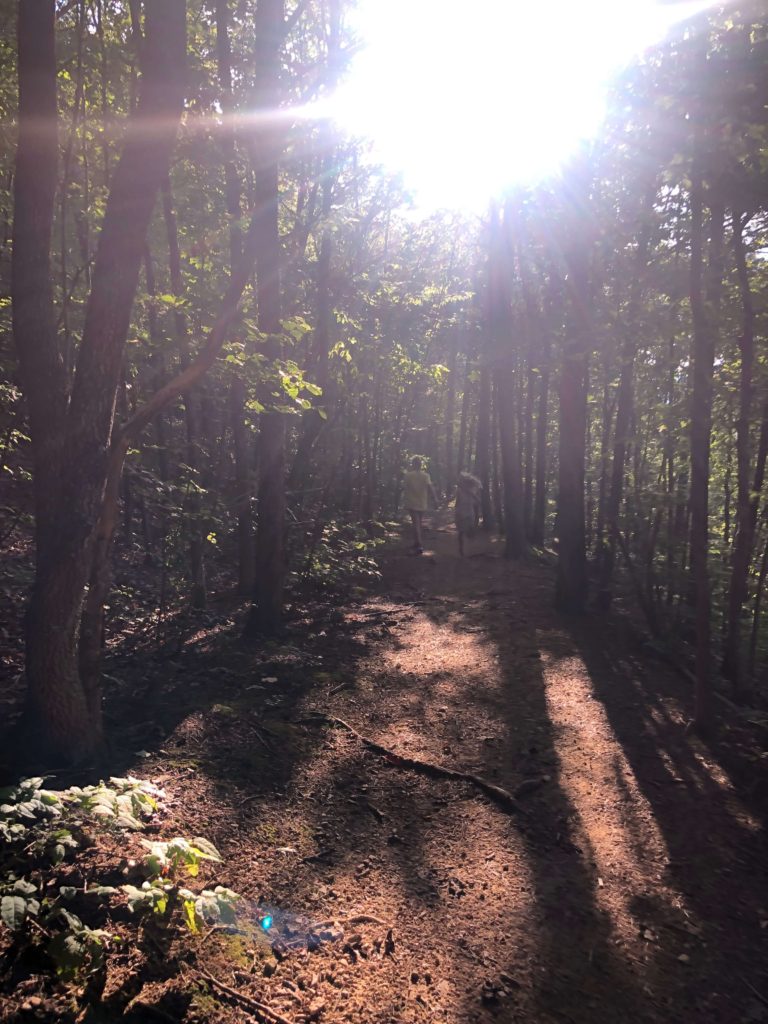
252, 1004
500, 796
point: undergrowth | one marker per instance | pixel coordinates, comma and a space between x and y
42, 829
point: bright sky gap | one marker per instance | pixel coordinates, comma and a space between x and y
464, 106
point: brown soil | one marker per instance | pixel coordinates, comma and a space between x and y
632, 888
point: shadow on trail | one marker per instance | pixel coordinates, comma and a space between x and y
713, 825
637, 832
576, 970
680, 927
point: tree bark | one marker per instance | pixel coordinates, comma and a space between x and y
542, 429
701, 428
266, 613
624, 404
65, 706
450, 414
238, 391
198, 595
571, 584
483, 452
464, 418
748, 495
313, 421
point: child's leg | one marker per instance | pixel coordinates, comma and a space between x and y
419, 541
416, 520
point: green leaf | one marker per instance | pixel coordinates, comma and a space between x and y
13, 912
190, 918
68, 952
206, 848
23, 887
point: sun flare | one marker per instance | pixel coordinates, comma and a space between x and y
466, 105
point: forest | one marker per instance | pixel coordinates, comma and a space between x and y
263, 757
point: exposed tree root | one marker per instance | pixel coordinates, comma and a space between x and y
356, 919
502, 797
260, 1009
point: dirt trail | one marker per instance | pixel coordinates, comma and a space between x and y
633, 888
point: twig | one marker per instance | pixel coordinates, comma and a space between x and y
500, 796
39, 927
752, 988
252, 1004
357, 919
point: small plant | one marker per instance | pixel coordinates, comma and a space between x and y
41, 828
77, 950
338, 552
28, 812
159, 893
169, 857
19, 900
73, 947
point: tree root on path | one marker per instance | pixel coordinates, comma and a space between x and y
269, 1015
502, 797
356, 919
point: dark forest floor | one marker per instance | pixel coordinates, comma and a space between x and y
634, 887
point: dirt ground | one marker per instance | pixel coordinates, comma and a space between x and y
632, 887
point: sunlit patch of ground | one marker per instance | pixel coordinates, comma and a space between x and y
578, 911
621, 842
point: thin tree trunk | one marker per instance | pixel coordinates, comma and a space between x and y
238, 390
464, 420
571, 585
482, 457
196, 544
624, 403
701, 428
514, 533
266, 613
542, 428
450, 415
496, 475
759, 589
747, 499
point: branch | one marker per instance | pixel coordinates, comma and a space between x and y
206, 357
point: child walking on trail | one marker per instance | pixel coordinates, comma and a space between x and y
467, 511
417, 491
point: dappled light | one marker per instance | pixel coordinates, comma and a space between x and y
620, 839
383, 514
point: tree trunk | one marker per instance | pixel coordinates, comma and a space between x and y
571, 585
748, 495
266, 613
450, 415
196, 546
759, 588
542, 427
238, 391
65, 706
514, 533
701, 428
624, 404
464, 419
482, 456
